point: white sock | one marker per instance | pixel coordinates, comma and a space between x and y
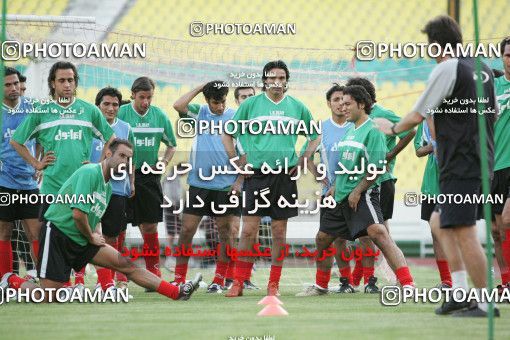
459, 280
482, 305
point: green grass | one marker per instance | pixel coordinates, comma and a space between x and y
205, 316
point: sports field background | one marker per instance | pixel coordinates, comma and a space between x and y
212, 316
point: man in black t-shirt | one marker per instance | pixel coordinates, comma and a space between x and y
449, 104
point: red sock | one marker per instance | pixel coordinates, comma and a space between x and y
180, 272
120, 243
322, 278
505, 276
346, 272
242, 271
15, 281
152, 262
367, 273
35, 247
5, 257
104, 277
275, 273
219, 275
68, 283
444, 272
505, 250
230, 270
168, 290
357, 273
79, 277
404, 276
120, 277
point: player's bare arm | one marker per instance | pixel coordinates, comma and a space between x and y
424, 150
411, 120
48, 158
402, 143
228, 143
82, 224
312, 146
106, 146
181, 104
355, 195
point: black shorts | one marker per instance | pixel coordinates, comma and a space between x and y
208, 197
114, 220
453, 214
42, 210
279, 185
427, 208
58, 254
500, 186
387, 198
12, 211
344, 222
146, 205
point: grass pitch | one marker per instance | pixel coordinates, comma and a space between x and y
212, 316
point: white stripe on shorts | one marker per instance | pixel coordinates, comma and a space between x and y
370, 206
44, 260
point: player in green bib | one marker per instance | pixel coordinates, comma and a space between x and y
386, 180
151, 127
72, 236
501, 181
269, 150
430, 188
65, 127
357, 211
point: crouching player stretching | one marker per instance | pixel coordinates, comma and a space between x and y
71, 238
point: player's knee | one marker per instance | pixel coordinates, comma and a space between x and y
340, 243
378, 233
321, 238
125, 266
249, 233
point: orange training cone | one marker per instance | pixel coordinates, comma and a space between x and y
270, 300
273, 310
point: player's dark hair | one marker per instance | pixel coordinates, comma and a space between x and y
360, 95
216, 89
367, 84
9, 71
143, 84
22, 78
333, 89
443, 30
271, 65
108, 91
497, 73
61, 65
124, 102
502, 44
114, 145
236, 91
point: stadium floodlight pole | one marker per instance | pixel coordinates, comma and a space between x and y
484, 170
